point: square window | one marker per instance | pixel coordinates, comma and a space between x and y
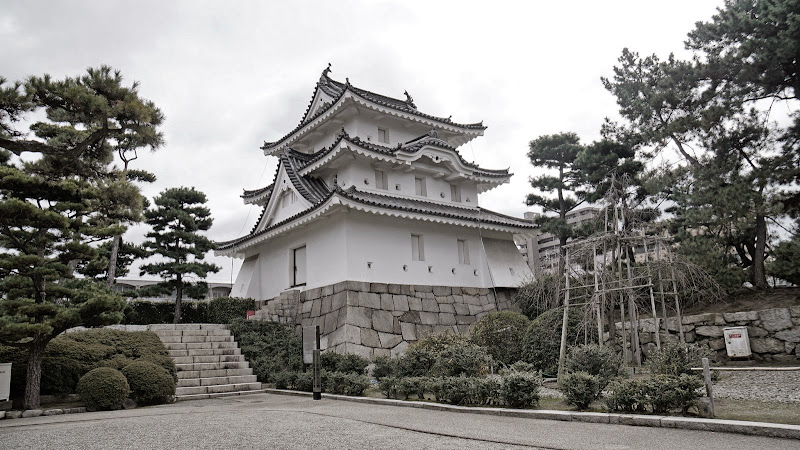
417, 248
463, 252
419, 187
383, 136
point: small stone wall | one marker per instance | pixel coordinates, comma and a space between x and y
376, 319
774, 333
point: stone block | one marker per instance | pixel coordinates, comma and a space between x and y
430, 305
469, 291
447, 319
794, 311
379, 288
387, 302
753, 331
716, 344
767, 345
484, 291
474, 310
709, 331
447, 299
396, 326
461, 309
645, 337
342, 317
447, 308
698, 318
53, 412
690, 336
358, 286
394, 288
441, 291
399, 349
326, 305
13, 414
334, 339
353, 298
339, 287
776, 319
429, 318
465, 320
672, 325
789, 347
382, 321
424, 331
414, 304
456, 290
400, 302
359, 350
458, 298
370, 338
326, 290
406, 289
331, 322
352, 334
423, 288
647, 325
306, 308
742, 316
484, 300
410, 317
369, 300
338, 300
31, 413
378, 352
471, 300
358, 316
791, 335
389, 340
409, 331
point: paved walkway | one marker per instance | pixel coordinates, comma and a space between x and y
277, 421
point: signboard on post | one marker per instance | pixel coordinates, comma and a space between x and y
310, 343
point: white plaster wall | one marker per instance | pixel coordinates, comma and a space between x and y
326, 245
508, 266
282, 212
386, 243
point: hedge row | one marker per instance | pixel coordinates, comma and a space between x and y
69, 357
270, 347
218, 310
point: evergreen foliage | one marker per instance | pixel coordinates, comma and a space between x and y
543, 338
103, 388
177, 218
501, 334
149, 383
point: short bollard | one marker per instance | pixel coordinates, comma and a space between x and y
709, 387
317, 388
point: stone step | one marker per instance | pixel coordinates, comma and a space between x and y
205, 352
180, 398
186, 326
207, 359
218, 388
213, 373
194, 339
213, 366
199, 345
169, 334
194, 382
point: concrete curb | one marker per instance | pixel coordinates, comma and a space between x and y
687, 423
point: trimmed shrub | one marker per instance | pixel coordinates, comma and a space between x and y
349, 363
519, 366
228, 309
543, 338
346, 383
68, 357
444, 355
390, 386
409, 386
521, 389
103, 388
675, 358
602, 362
661, 394
454, 390
284, 379
149, 383
270, 347
501, 333
385, 367
580, 388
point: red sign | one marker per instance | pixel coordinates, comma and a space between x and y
735, 335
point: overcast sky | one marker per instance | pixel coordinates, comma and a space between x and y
231, 75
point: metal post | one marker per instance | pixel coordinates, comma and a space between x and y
317, 384
709, 389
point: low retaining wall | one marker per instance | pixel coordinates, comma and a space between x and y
376, 319
774, 333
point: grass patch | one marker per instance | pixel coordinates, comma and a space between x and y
756, 411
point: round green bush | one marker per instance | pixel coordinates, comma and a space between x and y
521, 389
501, 333
602, 362
103, 388
580, 388
676, 358
444, 355
150, 384
543, 338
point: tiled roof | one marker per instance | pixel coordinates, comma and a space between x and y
256, 192
413, 206
336, 90
311, 188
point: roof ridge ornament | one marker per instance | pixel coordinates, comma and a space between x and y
433, 133
325, 72
410, 100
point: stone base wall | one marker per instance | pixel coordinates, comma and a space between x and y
376, 319
774, 333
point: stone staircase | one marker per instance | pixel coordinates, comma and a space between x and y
208, 360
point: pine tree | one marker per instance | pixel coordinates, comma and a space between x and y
177, 217
48, 204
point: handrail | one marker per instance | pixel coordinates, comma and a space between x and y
749, 369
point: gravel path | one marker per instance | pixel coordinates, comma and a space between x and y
759, 385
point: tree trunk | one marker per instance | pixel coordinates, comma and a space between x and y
759, 277
33, 379
112, 261
178, 299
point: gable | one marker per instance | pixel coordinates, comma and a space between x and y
285, 201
